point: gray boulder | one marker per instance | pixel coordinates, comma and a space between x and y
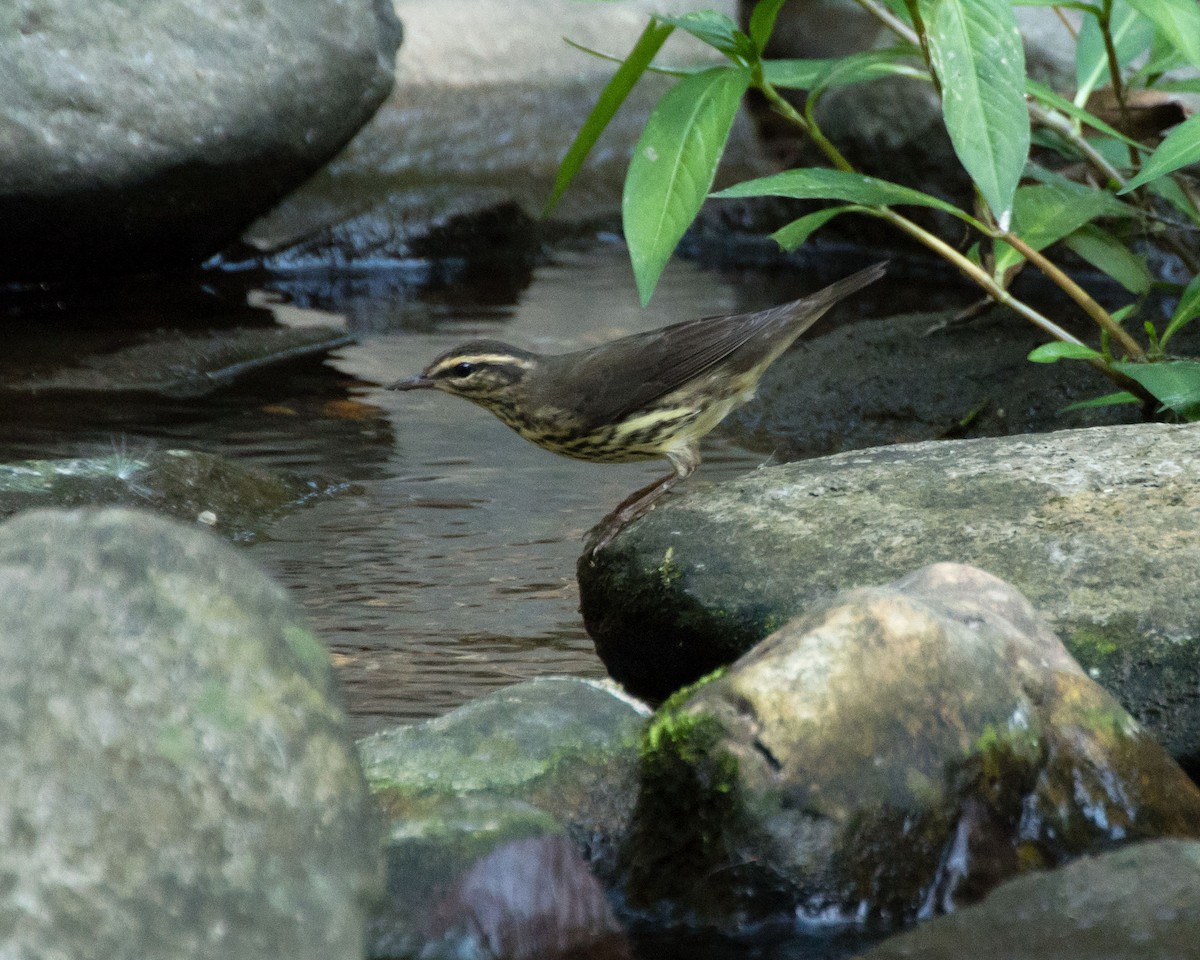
893, 754
179, 780
140, 134
1098, 527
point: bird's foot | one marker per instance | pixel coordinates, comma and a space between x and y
602, 534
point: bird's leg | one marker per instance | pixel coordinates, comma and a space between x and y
641, 501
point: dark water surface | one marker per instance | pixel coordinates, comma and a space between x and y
448, 569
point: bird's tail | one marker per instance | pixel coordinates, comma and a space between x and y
801, 314
824, 299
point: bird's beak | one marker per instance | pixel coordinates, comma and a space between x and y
411, 383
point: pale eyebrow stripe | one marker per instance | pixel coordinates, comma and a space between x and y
494, 359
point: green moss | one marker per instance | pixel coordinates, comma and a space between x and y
688, 811
306, 648
1093, 646
215, 704
673, 703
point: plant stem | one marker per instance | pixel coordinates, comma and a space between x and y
789, 112
914, 11
891, 21
1063, 126
974, 272
1075, 292
1114, 77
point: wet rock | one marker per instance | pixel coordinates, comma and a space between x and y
238, 500
1097, 527
892, 754
150, 134
553, 757
178, 363
1136, 903
179, 780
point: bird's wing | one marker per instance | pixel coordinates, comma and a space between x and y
607, 385
656, 363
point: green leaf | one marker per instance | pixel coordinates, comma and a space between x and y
866, 66
1058, 350
1051, 99
611, 98
1173, 85
1178, 21
1187, 310
1105, 252
715, 29
819, 183
978, 56
1046, 212
796, 74
1108, 400
1174, 194
842, 71
762, 21
1132, 34
1173, 383
673, 166
796, 232
1181, 147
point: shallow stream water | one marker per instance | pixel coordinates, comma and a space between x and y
447, 568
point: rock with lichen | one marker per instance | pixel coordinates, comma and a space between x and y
179, 779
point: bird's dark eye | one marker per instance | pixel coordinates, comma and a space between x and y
462, 369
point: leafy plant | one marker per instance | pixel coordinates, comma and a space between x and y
972, 54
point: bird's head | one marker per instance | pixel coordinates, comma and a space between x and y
486, 371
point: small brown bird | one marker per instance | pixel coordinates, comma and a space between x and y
652, 394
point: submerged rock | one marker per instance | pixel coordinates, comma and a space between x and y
176, 363
179, 777
148, 134
530, 899
483, 798
1137, 903
893, 754
236, 499
1097, 527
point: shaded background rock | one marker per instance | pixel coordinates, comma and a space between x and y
893, 754
1095, 526
179, 777
916, 377
1136, 903
489, 100
148, 134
